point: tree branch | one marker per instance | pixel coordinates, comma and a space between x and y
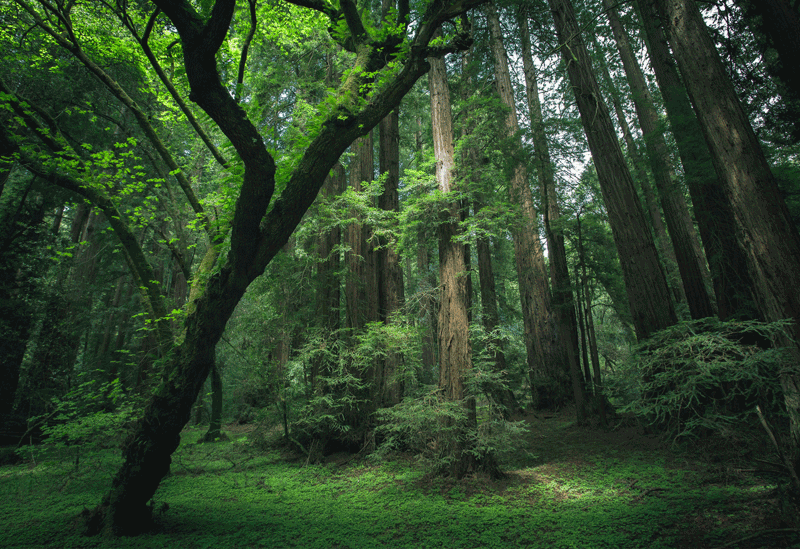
207, 91
246, 48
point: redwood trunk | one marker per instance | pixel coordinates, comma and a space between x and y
563, 305
547, 369
726, 259
691, 263
455, 350
390, 270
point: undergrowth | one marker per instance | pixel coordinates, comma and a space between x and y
565, 487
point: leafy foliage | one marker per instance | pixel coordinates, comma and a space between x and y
93, 416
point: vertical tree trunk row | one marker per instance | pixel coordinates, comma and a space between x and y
563, 305
648, 294
733, 286
764, 227
691, 263
548, 370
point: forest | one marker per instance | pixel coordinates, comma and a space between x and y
400, 274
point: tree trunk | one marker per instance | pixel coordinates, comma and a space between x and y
361, 289
691, 263
390, 271
669, 261
455, 350
646, 285
328, 283
214, 432
548, 370
733, 287
563, 306
765, 228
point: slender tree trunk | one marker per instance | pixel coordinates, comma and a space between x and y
691, 263
214, 432
390, 270
548, 370
648, 294
563, 306
765, 228
361, 297
582, 286
733, 287
429, 309
670, 262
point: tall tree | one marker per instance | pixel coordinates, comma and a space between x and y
646, 285
455, 350
563, 303
390, 270
733, 287
546, 364
764, 227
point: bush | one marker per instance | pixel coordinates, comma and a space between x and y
92, 416
436, 430
704, 375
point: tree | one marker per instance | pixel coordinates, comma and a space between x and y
262, 221
547, 366
691, 263
732, 285
455, 349
563, 305
764, 227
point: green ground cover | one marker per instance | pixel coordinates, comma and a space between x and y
566, 487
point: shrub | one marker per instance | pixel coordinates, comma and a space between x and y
92, 416
704, 374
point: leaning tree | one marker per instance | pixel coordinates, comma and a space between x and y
388, 50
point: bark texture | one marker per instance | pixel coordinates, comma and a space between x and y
691, 263
732, 285
563, 304
455, 349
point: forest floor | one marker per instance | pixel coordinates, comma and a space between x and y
565, 487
